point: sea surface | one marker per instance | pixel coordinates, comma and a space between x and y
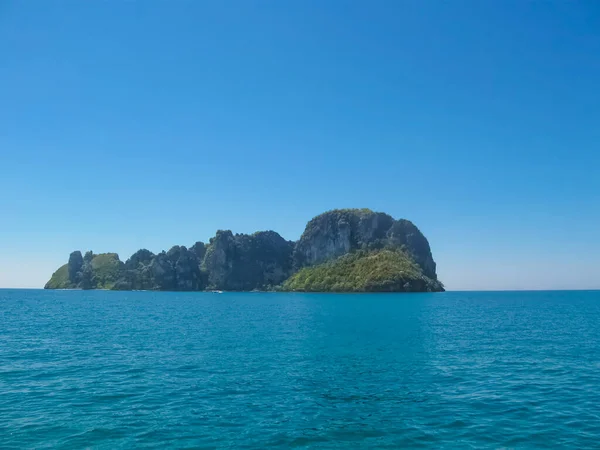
267, 370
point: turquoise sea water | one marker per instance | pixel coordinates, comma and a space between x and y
257, 370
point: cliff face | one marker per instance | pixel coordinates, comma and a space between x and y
335, 233
175, 270
246, 262
219, 257
264, 260
404, 234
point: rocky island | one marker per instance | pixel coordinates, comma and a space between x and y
344, 250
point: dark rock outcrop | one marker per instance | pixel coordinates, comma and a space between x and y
246, 262
218, 261
139, 259
75, 265
175, 270
187, 270
199, 250
404, 234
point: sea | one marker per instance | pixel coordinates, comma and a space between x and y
165, 370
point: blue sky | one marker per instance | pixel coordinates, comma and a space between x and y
147, 124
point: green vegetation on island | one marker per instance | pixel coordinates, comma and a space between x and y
364, 271
60, 279
347, 250
90, 272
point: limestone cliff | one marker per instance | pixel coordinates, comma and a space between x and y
335, 233
247, 262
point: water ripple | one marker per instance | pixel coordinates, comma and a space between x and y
164, 370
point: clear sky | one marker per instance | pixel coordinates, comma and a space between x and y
147, 124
